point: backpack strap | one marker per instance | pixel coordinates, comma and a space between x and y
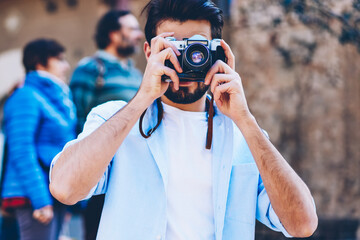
100, 81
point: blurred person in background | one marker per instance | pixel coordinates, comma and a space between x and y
39, 118
109, 74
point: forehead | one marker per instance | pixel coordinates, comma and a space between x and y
185, 29
129, 20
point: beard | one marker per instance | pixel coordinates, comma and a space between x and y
127, 47
126, 51
183, 96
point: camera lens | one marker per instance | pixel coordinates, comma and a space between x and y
197, 57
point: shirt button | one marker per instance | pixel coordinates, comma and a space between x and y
158, 237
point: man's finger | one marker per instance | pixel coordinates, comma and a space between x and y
219, 79
166, 34
218, 67
173, 76
219, 91
161, 35
229, 54
159, 43
170, 55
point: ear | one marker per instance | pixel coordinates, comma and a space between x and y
40, 67
114, 37
147, 50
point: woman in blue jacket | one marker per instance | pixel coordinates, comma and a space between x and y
39, 118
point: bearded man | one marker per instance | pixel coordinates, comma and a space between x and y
109, 74
176, 163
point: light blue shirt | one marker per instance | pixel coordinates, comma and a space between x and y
135, 182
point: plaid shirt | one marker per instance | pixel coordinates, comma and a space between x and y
118, 81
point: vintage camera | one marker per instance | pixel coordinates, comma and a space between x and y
197, 56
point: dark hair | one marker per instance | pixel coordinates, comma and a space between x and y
39, 51
107, 24
182, 10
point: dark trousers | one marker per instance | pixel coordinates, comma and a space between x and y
92, 214
9, 228
31, 229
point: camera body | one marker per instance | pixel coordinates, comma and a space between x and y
197, 56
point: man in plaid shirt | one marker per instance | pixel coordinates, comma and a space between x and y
107, 75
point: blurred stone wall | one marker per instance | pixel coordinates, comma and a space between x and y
303, 86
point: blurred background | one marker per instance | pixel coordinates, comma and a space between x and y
300, 65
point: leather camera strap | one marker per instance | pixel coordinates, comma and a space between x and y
210, 114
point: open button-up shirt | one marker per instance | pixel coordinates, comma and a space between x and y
135, 182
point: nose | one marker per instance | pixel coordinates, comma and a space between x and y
140, 35
66, 66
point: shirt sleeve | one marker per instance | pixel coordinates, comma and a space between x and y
22, 118
265, 212
95, 119
99, 188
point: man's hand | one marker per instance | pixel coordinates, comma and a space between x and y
226, 86
161, 49
44, 214
289, 195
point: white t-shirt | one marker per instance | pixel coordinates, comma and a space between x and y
190, 211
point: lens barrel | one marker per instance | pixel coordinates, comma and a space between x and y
196, 57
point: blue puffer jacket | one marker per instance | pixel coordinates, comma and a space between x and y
39, 118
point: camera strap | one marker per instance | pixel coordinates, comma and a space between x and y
210, 114
159, 118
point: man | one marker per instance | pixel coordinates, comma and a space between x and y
168, 185
108, 75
